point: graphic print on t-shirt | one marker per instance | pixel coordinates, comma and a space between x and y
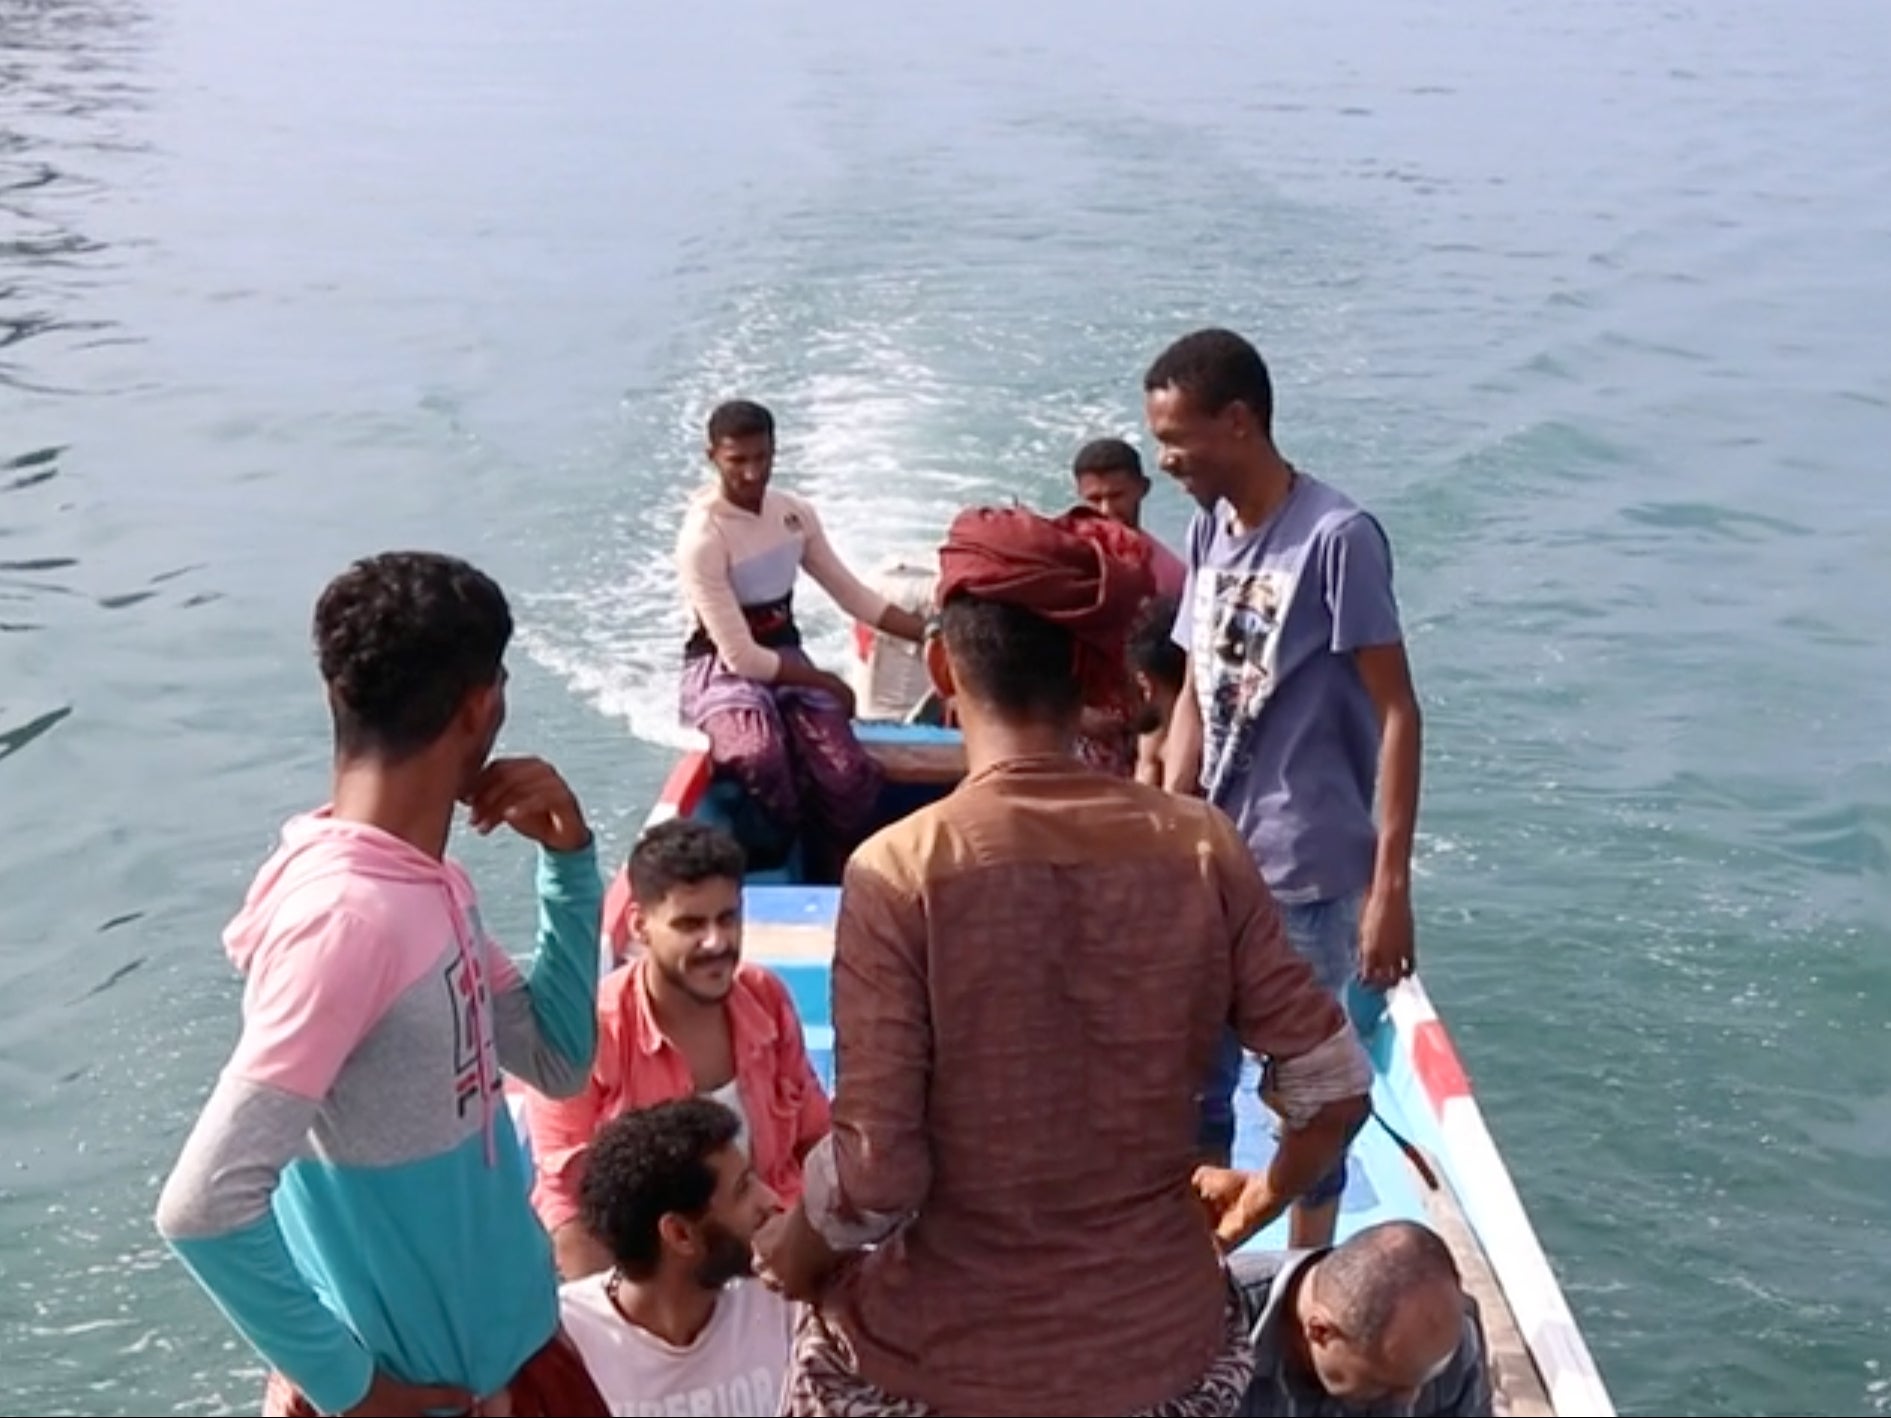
1238, 616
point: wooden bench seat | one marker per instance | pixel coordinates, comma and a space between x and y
939, 764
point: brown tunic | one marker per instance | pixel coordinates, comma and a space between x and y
1029, 982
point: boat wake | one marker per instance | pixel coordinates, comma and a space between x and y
859, 415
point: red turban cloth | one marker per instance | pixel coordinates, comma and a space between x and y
1080, 570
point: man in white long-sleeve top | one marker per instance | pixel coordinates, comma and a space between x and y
774, 719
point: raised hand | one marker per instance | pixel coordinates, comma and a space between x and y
529, 796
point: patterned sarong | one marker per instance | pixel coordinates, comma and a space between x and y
824, 1382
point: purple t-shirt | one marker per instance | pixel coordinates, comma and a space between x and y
1290, 737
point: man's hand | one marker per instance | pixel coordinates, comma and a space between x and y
1239, 1204
791, 1258
388, 1397
527, 795
1388, 948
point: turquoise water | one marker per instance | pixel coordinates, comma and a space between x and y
1588, 302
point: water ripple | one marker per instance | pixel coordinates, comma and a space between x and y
64, 78
15, 739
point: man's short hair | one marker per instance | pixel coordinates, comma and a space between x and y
1213, 369
648, 1164
1366, 1277
682, 852
1108, 455
740, 418
402, 638
1019, 663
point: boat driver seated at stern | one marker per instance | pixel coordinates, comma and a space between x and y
777, 723
1029, 978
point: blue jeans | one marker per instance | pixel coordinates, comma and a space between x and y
1326, 933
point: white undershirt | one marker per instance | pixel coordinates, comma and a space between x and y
733, 1369
730, 1096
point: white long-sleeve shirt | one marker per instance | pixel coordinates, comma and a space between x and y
728, 558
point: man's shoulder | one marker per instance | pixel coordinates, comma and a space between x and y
1327, 511
755, 1303
939, 837
764, 986
585, 1297
897, 853
790, 508
358, 907
699, 517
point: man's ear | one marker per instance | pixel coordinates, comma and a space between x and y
1320, 1330
636, 924
677, 1234
939, 667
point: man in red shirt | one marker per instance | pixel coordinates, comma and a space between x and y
686, 1016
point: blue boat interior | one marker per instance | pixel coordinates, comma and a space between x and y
777, 859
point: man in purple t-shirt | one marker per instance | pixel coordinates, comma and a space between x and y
1298, 713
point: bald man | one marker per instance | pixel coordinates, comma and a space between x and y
1377, 1325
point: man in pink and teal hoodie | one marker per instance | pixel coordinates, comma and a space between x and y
353, 1196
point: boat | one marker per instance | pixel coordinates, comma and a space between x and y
1426, 1155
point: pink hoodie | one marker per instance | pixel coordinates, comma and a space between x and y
354, 1194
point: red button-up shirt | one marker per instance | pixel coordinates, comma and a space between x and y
637, 1066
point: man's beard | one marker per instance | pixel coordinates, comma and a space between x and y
729, 1258
681, 979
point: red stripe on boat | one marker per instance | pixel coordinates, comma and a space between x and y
1440, 1071
687, 782
863, 639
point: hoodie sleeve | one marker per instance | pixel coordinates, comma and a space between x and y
546, 1018
313, 994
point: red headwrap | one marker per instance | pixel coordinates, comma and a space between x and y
1080, 570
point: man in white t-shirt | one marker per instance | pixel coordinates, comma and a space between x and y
677, 1326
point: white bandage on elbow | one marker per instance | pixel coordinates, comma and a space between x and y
839, 1225
1331, 1072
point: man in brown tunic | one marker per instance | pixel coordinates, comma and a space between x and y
1029, 982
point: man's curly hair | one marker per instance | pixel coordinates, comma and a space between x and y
402, 639
648, 1164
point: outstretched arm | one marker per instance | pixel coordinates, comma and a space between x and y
859, 600
1356, 568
